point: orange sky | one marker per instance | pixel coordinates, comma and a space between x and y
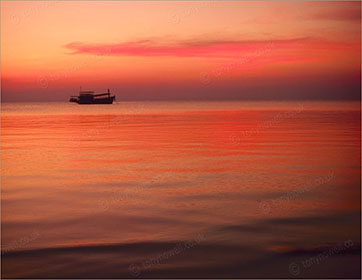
181, 50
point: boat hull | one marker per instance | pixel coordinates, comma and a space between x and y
106, 100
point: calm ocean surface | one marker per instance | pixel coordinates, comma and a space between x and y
181, 189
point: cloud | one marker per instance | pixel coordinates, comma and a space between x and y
347, 15
221, 48
351, 13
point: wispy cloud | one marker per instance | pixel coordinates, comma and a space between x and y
338, 15
208, 48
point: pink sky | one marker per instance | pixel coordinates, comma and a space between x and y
181, 50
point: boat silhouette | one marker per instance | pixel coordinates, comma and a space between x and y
89, 97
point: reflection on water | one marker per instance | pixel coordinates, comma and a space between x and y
127, 190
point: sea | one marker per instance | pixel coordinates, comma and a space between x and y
181, 189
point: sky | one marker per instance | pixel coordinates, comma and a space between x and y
171, 50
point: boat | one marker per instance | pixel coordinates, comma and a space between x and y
89, 97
